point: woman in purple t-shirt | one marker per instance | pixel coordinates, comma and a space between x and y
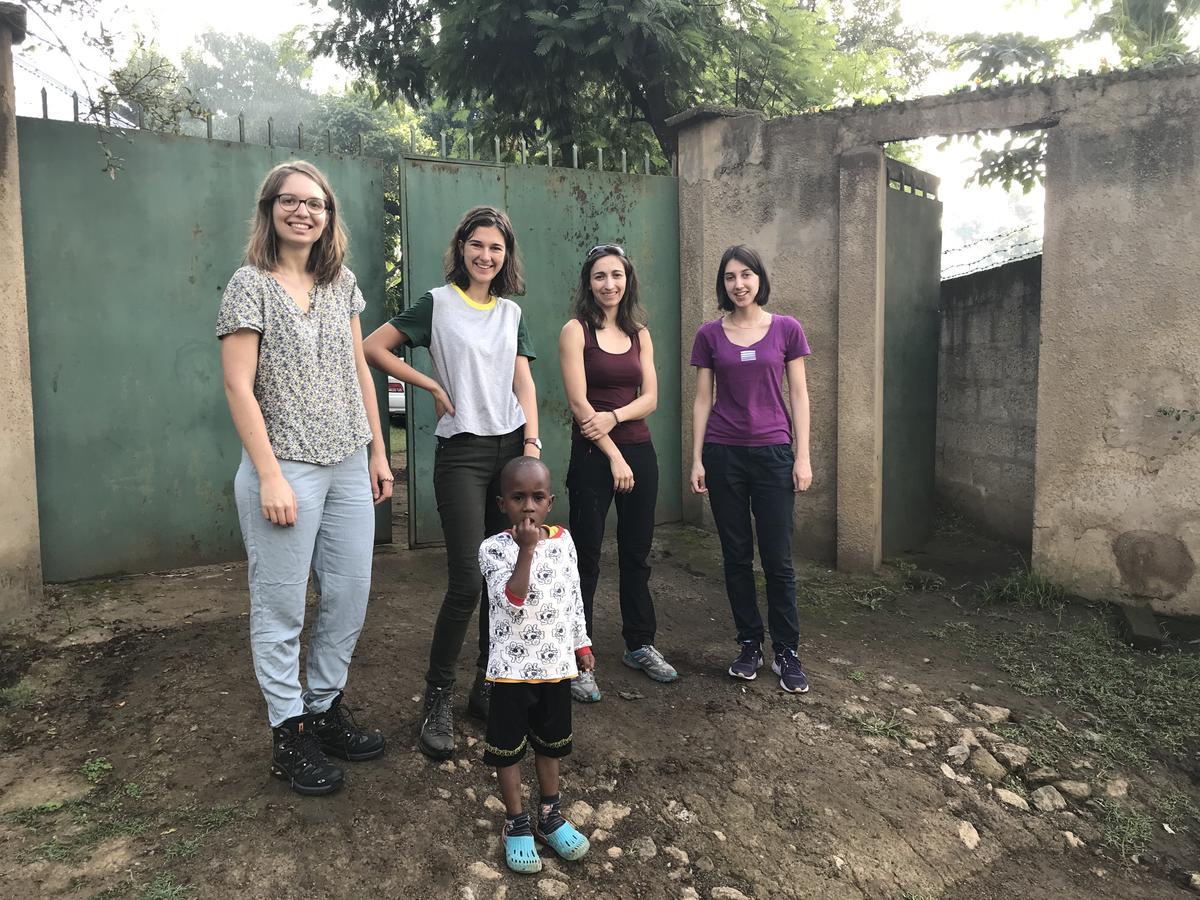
750, 457
607, 362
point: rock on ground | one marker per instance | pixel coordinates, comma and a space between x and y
644, 847
968, 835
548, 887
1073, 842
1118, 788
940, 716
1042, 775
579, 813
680, 856
1047, 799
1077, 790
993, 715
958, 753
609, 814
1011, 799
727, 893
483, 872
1012, 755
982, 763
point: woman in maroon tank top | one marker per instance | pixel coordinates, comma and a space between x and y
607, 363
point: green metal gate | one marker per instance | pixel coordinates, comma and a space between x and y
135, 448
558, 214
912, 290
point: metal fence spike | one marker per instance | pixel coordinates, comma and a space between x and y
45, 105
443, 145
141, 119
470, 146
624, 163
299, 135
549, 155
524, 153
270, 131
328, 141
600, 159
360, 143
497, 140
75, 106
241, 128
412, 139
646, 163
574, 156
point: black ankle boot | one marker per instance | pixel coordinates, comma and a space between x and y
437, 725
480, 697
341, 736
298, 759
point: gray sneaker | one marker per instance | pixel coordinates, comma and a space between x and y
584, 688
650, 661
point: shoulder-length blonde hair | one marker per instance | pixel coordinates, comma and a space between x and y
510, 280
262, 248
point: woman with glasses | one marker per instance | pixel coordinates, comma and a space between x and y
607, 361
750, 455
486, 406
313, 463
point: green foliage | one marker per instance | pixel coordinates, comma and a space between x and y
1179, 415
18, 696
1126, 831
165, 887
1025, 588
603, 73
95, 769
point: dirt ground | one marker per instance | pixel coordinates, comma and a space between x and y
134, 753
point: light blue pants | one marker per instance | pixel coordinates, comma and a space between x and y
333, 537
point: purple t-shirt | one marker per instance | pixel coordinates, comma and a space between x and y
749, 409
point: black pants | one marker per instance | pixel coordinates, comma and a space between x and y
590, 488
745, 481
466, 482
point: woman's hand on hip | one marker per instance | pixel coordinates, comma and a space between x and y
622, 475
277, 499
441, 402
697, 479
801, 475
597, 425
381, 477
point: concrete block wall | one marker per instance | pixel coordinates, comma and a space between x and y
987, 397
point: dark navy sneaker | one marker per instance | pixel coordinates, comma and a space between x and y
748, 660
791, 677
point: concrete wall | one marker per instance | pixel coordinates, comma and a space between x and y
20, 555
1117, 509
987, 397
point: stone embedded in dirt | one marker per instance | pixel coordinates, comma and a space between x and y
680, 856
689, 893
1042, 775
839, 661
1047, 799
906, 711
615, 852
1194, 881
988, 737
548, 887
471, 742
911, 689
885, 686
599, 835
1072, 840
719, 835
983, 764
704, 864
853, 710
579, 813
1014, 800
609, 814
448, 766
483, 872
644, 847
443, 793
958, 754
940, 716
470, 795
993, 715
967, 736
1076, 790
1012, 755
914, 744
974, 687
727, 893
801, 719
838, 863
968, 834
1117, 788
949, 772
493, 804
878, 743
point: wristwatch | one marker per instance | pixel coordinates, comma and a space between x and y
537, 442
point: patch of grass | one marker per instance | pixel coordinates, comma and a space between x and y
18, 696
893, 728
32, 816
1126, 831
952, 631
54, 850
1027, 589
184, 849
398, 439
95, 769
94, 820
858, 675
1177, 809
1138, 705
1016, 785
165, 887
873, 598
209, 820
132, 791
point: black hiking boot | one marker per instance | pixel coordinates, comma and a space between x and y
480, 697
341, 736
437, 726
298, 759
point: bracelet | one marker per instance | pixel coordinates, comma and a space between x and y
616, 418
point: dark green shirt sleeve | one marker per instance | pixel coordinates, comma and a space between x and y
524, 345
417, 322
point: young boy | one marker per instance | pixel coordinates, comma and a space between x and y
538, 644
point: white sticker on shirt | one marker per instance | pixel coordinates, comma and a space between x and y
748, 356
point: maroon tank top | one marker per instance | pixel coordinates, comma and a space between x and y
613, 381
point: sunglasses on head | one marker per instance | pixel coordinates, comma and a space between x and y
606, 249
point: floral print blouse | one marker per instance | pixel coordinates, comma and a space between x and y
306, 382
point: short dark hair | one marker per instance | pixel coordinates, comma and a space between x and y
749, 258
630, 317
517, 464
510, 280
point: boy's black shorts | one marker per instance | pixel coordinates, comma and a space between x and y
524, 713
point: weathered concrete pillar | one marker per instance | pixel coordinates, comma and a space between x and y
863, 181
20, 549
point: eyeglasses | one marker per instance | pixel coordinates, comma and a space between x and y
606, 249
290, 202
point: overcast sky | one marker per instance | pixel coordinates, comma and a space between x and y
175, 25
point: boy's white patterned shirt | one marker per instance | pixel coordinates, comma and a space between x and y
537, 640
